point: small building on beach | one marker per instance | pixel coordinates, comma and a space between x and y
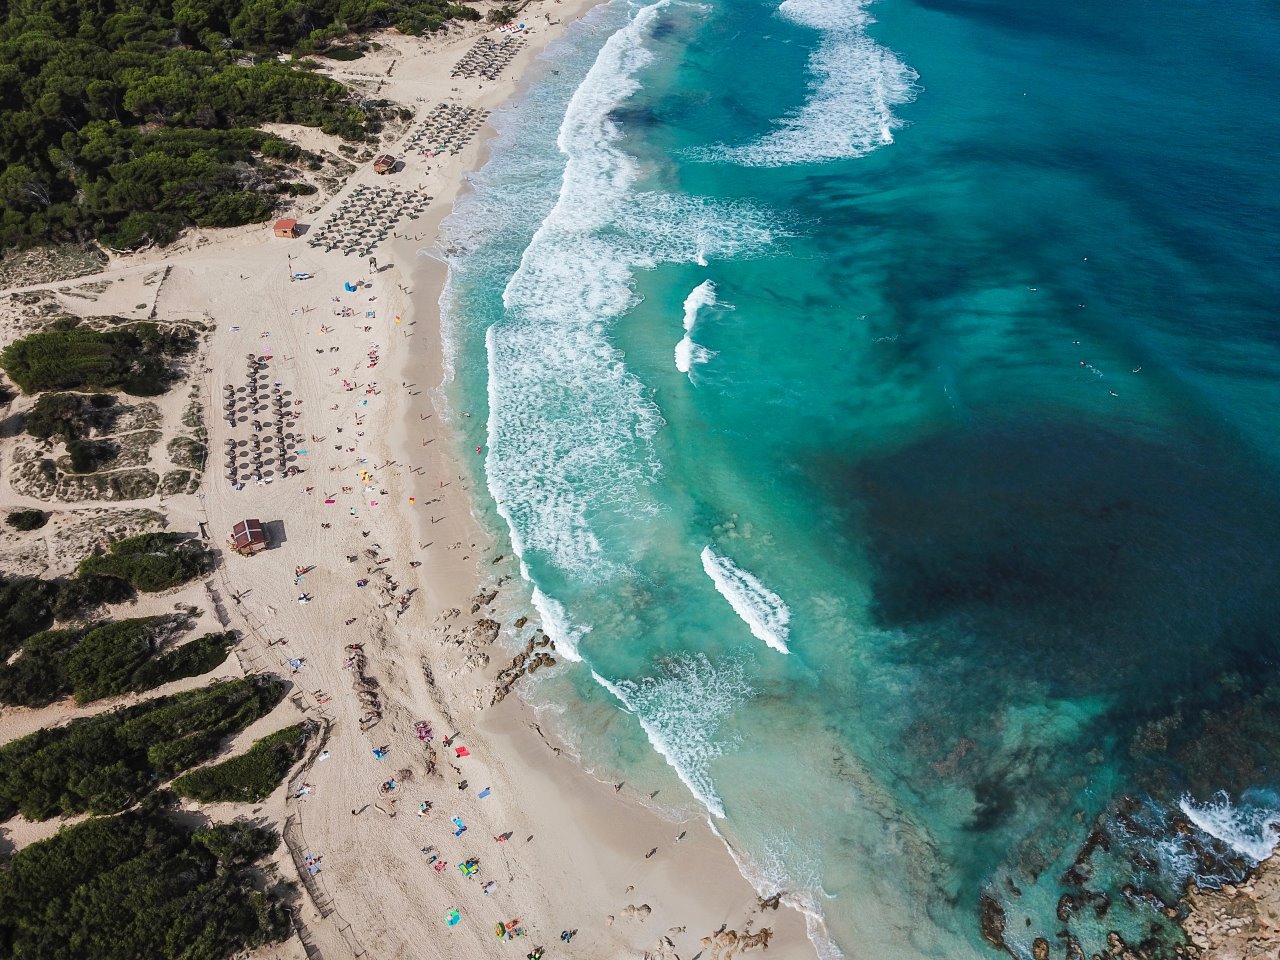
248, 537
384, 164
286, 228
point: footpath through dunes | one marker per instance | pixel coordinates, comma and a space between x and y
418, 814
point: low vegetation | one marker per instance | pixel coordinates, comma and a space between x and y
105, 763
150, 561
139, 885
250, 777
27, 519
69, 416
29, 605
80, 596
147, 562
128, 122
70, 355
106, 660
26, 607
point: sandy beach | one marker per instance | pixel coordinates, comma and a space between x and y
377, 596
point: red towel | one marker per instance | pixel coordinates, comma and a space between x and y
462, 751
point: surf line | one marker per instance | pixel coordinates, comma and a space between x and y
688, 352
762, 610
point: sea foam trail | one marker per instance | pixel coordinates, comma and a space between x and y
681, 714
688, 352
759, 607
555, 621
855, 84
571, 429
1252, 832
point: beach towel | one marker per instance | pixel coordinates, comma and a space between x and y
462, 752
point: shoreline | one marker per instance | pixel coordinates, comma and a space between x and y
371, 454
632, 878
620, 828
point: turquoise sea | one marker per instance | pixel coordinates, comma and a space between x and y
882, 402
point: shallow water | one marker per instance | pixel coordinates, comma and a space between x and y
883, 414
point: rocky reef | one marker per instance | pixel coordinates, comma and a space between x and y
1236, 922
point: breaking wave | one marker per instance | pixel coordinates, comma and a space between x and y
855, 84
570, 427
762, 610
681, 714
688, 352
1250, 831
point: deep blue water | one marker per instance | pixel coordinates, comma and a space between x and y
939, 562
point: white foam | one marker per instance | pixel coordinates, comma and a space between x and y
681, 714
759, 607
855, 84
570, 432
771, 875
555, 621
689, 353
1250, 831
703, 295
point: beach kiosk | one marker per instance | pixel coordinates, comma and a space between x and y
384, 164
248, 537
287, 229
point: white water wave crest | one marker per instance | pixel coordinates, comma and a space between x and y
688, 352
555, 621
762, 610
681, 714
1250, 831
570, 428
855, 84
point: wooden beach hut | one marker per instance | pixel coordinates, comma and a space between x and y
248, 537
286, 228
384, 164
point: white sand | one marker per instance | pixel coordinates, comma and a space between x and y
584, 860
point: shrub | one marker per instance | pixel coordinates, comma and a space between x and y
26, 607
38, 677
27, 519
250, 777
104, 763
67, 355
139, 885
79, 596
150, 561
104, 661
87, 456
189, 660
68, 415
102, 664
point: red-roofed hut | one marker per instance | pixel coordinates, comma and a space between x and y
248, 537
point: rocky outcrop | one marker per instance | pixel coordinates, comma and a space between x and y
727, 943
1236, 922
992, 921
534, 656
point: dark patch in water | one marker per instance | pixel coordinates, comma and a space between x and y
994, 801
632, 118
1078, 558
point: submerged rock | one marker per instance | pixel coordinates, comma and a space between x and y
992, 920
